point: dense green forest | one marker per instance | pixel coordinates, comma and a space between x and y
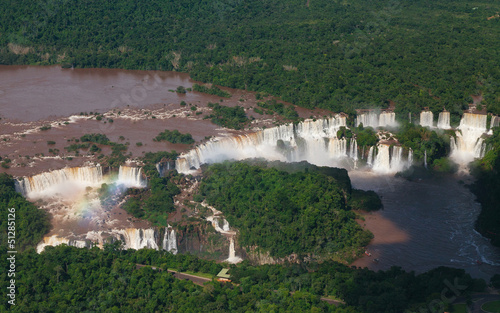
230, 117
303, 212
68, 279
31, 224
329, 54
174, 136
156, 201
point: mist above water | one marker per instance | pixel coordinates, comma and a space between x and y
313, 141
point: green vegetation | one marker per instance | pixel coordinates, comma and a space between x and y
284, 213
30, 222
487, 190
365, 200
181, 89
45, 127
230, 117
96, 138
272, 106
155, 202
493, 306
213, 90
388, 291
90, 141
459, 308
6, 163
174, 136
110, 281
328, 54
421, 140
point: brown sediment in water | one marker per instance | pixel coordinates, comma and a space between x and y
32, 97
385, 232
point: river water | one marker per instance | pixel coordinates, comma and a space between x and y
29, 93
426, 223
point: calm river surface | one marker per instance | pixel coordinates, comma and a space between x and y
29, 93
431, 224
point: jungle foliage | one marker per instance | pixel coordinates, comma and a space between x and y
30, 223
302, 212
69, 279
329, 54
174, 136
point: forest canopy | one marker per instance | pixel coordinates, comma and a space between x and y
301, 212
335, 55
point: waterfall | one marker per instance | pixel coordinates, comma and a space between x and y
370, 156
132, 238
426, 119
170, 240
410, 156
425, 158
136, 238
232, 252
314, 141
387, 119
131, 177
390, 161
353, 149
51, 241
225, 226
65, 181
163, 167
444, 120
375, 120
468, 143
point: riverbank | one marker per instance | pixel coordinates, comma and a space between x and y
431, 226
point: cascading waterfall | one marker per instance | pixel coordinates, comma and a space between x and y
225, 225
426, 119
134, 238
315, 141
444, 120
387, 119
232, 252
390, 161
367, 119
64, 181
370, 156
51, 241
312, 141
353, 149
495, 122
170, 240
374, 120
425, 158
131, 177
468, 143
